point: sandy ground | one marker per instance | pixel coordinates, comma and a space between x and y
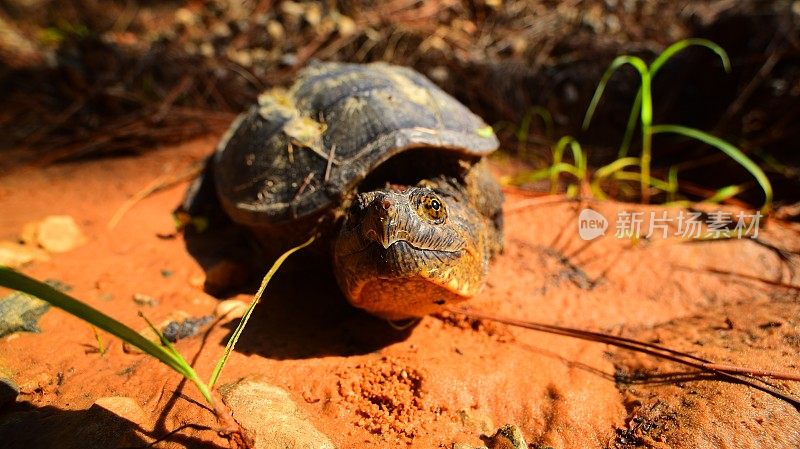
445, 380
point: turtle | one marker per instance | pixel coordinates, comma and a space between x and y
388, 169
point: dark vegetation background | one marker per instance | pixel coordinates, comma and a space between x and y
91, 78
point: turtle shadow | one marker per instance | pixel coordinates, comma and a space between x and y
302, 314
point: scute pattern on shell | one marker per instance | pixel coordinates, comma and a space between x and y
297, 152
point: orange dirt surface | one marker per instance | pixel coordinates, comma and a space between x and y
446, 379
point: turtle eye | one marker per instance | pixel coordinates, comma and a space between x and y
433, 208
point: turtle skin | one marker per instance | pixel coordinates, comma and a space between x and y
379, 160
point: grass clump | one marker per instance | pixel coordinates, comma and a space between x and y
638, 168
578, 169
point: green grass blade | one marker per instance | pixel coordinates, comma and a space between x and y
724, 194
18, 281
645, 112
256, 298
558, 154
664, 186
99, 339
524, 128
164, 342
647, 124
630, 127
618, 62
733, 152
672, 179
681, 45
564, 167
607, 170
578, 169
581, 160
546, 117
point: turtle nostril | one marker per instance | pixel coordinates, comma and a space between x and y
384, 207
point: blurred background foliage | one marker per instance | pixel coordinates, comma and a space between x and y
89, 78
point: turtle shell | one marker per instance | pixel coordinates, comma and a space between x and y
298, 151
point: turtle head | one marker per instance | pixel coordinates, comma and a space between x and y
406, 251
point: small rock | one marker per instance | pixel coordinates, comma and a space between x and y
15, 255
124, 407
21, 313
224, 275
271, 416
177, 330
144, 300
59, 234
8, 391
230, 309
506, 437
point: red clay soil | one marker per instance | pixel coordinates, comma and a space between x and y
447, 379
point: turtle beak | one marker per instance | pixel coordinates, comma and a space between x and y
381, 221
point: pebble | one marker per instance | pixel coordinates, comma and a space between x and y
507, 437
268, 413
230, 309
177, 330
21, 313
144, 300
14, 255
59, 234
